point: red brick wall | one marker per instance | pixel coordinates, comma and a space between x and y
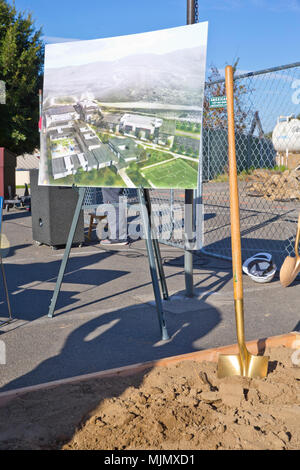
8, 162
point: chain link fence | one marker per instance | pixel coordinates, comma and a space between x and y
168, 216
267, 113
167, 211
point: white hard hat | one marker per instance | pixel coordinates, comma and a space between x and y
260, 267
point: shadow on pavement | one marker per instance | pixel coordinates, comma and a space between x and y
16, 215
29, 302
119, 338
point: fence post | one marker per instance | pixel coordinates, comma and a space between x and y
208, 156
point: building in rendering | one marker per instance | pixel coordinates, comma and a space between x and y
59, 116
111, 122
88, 110
141, 126
73, 144
125, 149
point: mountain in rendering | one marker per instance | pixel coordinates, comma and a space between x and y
173, 78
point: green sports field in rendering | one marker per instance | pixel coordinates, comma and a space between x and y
177, 174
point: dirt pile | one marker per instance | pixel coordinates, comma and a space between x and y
274, 185
185, 406
179, 407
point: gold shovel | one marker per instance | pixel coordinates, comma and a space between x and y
291, 266
244, 363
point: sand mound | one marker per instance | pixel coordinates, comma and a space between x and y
185, 406
180, 407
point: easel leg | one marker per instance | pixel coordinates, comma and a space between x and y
81, 193
160, 267
6, 294
153, 271
3, 271
162, 276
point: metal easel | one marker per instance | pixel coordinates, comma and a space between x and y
154, 257
10, 318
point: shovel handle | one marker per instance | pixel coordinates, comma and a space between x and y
234, 193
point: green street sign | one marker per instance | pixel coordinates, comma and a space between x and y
218, 102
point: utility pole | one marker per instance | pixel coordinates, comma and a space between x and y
189, 194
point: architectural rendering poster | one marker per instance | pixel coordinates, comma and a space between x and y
124, 111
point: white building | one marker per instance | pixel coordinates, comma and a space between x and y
69, 165
83, 161
135, 123
60, 115
88, 110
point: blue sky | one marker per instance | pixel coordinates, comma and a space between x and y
263, 33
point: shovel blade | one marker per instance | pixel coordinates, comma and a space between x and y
253, 366
288, 271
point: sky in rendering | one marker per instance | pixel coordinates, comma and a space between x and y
263, 33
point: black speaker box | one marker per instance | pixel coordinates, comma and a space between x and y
52, 210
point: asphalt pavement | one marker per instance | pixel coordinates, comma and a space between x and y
106, 315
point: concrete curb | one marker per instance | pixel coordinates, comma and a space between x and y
290, 340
